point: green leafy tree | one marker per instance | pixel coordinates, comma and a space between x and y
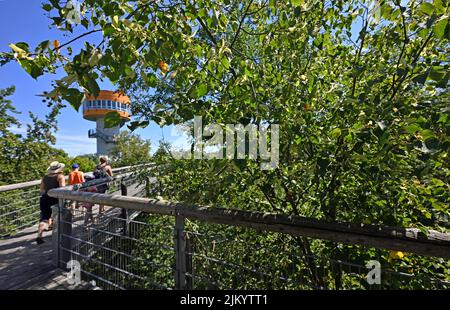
26, 157
364, 120
86, 163
130, 149
9, 141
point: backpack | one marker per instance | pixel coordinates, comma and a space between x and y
100, 172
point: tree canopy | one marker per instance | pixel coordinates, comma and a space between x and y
360, 91
130, 149
25, 157
358, 88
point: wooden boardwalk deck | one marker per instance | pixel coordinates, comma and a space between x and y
22, 260
26, 265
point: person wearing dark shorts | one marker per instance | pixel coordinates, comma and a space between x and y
46, 202
53, 179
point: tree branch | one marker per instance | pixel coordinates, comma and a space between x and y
202, 23
358, 55
405, 41
240, 24
413, 63
79, 37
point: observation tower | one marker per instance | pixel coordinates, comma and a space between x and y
96, 108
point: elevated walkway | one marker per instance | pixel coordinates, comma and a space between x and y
27, 265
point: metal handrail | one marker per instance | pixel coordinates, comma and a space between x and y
402, 239
22, 185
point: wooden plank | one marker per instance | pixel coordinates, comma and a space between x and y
393, 238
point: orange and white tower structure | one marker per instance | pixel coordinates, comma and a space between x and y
96, 108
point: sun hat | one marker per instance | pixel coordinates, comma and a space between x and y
55, 167
75, 166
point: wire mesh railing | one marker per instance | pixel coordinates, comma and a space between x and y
19, 209
224, 257
19, 203
162, 249
114, 250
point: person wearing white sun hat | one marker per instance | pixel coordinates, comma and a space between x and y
53, 179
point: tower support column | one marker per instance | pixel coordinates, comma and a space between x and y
105, 137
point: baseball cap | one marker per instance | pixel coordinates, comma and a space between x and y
75, 166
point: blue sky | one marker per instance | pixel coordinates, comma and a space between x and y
25, 21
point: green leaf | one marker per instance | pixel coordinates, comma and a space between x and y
439, 28
384, 137
225, 62
427, 134
202, 90
437, 73
47, 7
17, 49
386, 11
74, 97
336, 132
85, 23
297, 2
112, 119
426, 8
43, 46
437, 182
32, 68
150, 79
137, 124
24, 46
443, 83
107, 31
421, 78
413, 128
90, 84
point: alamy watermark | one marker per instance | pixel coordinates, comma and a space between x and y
74, 274
73, 8
374, 274
234, 141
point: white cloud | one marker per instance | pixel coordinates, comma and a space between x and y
74, 138
75, 144
15, 129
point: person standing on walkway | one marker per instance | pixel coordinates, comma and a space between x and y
75, 177
102, 171
53, 179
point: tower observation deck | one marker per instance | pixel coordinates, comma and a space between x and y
96, 108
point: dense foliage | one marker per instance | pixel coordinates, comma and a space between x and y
130, 149
360, 93
25, 157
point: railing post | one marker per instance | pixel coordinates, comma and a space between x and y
56, 235
180, 253
188, 257
124, 214
65, 228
